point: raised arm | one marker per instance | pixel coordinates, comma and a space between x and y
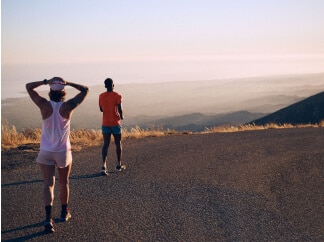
78, 99
37, 99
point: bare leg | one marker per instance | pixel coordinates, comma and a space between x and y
48, 172
106, 137
117, 138
64, 174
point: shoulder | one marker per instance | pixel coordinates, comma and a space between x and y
102, 95
45, 104
46, 109
117, 94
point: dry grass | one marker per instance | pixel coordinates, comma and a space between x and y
137, 132
11, 138
229, 128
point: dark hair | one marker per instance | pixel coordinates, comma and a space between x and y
57, 96
109, 84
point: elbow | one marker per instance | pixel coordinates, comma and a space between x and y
27, 86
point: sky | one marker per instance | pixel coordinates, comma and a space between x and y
158, 40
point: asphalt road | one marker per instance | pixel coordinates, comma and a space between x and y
248, 186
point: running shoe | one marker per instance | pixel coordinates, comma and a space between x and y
120, 167
65, 215
49, 226
104, 172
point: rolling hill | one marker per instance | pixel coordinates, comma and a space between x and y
307, 111
197, 122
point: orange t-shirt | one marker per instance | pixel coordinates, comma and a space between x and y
108, 102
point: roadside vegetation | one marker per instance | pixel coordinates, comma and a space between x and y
11, 138
246, 127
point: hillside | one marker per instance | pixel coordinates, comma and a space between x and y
307, 111
197, 122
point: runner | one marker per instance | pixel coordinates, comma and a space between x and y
55, 146
110, 103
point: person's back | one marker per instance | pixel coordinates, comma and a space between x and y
109, 101
55, 131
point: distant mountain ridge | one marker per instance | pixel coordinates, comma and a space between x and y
192, 105
307, 111
199, 122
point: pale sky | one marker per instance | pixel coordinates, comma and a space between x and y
159, 40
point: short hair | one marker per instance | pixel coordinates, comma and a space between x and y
57, 96
109, 83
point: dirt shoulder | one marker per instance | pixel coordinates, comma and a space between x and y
247, 186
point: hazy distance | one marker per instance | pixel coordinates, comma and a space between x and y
149, 102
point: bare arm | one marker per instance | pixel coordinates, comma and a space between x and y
40, 101
37, 99
120, 111
71, 104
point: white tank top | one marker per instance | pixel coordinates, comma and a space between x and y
55, 131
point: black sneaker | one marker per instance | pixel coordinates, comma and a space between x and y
103, 171
49, 226
120, 167
65, 215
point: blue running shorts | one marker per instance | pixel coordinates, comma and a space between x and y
111, 129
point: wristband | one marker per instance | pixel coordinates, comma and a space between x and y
45, 81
